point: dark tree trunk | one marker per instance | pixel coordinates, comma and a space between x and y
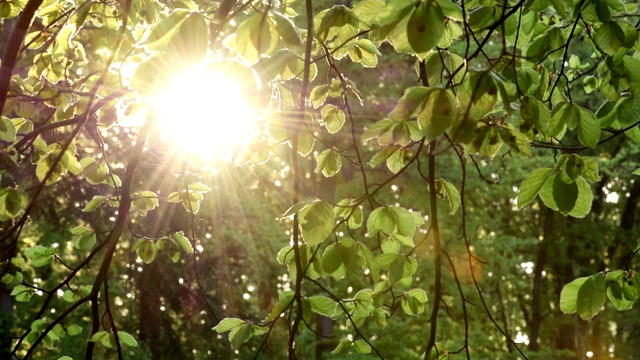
324, 344
7, 320
536, 299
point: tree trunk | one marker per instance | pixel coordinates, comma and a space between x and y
325, 331
540, 263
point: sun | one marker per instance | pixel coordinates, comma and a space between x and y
206, 112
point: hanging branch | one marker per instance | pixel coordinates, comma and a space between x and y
433, 319
296, 181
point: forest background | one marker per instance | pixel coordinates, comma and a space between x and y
418, 179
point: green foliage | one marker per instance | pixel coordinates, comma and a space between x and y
544, 94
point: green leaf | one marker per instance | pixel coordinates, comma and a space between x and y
564, 194
329, 163
306, 141
7, 130
582, 206
183, 241
318, 95
356, 218
163, 31
588, 129
100, 336
228, 324
609, 37
198, 187
408, 103
147, 251
332, 118
535, 112
332, 258
377, 129
73, 296
425, 26
452, 195
94, 203
362, 347
86, 241
342, 346
614, 293
144, 201
590, 172
240, 334
389, 220
284, 301
22, 293
517, 141
531, 186
437, 114
569, 296
40, 255
574, 166
591, 296
127, 339
317, 221
439, 352
12, 202
323, 305
418, 294
628, 111
73, 330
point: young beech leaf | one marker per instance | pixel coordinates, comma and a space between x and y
183, 241
590, 172
228, 324
103, 337
284, 301
452, 195
409, 102
342, 346
147, 250
329, 163
323, 305
425, 26
317, 221
437, 114
391, 219
362, 347
94, 203
332, 118
240, 334
127, 339
22, 293
569, 296
439, 352
531, 186
591, 296
588, 129
318, 95
564, 194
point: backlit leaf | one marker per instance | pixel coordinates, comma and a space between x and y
317, 221
437, 114
591, 296
425, 26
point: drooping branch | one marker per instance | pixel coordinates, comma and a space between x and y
295, 166
437, 249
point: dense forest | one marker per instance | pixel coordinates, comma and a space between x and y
268, 179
